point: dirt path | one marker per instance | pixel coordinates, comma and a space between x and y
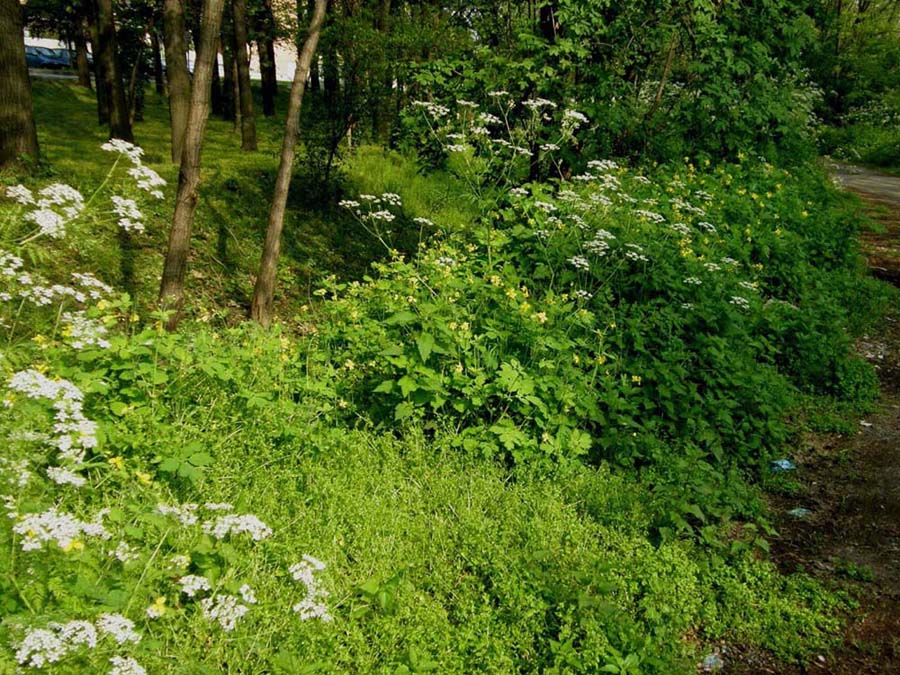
851, 483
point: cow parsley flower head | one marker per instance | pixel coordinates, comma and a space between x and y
222, 526
186, 514
40, 647
313, 605
125, 665
60, 528
62, 476
192, 584
20, 194
118, 628
225, 609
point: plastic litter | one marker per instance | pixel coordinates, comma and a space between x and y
865, 424
782, 465
712, 663
799, 512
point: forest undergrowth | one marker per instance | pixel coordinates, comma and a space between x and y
532, 437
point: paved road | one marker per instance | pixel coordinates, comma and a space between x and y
43, 74
859, 179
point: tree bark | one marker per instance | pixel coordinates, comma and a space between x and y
18, 135
176, 73
81, 60
229, 89
264, 290
171, 291
119, 126
248, 120
157, 62
99, 79
266, 48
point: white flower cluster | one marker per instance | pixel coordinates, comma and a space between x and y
191, 584
42, 646
537, 104
222, 526
55, 206
74, 433
125, 665
579, 262
651, 216
373, 208
129, 214
61, 528
313, 605
84, 332
433, 109
692, 281
118, 628
225, 609
186, 514
124, 552
62, 476
738, 301
17, 469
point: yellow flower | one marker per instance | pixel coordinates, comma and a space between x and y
601, 359
540, 317
103, 304
458, 369
511, 293
804, 213
349, 365
74, 545
117, 462
134, 318
158, 608
495, 280
143, 477
464, 326
636, 379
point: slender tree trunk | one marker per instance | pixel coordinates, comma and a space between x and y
176, 73
264, 290
248, 120
119, 126
381, 104
171, 291
229, 91
99, 77
266, 48
81, 60
216, 95
133, 101
157, 62
18, 135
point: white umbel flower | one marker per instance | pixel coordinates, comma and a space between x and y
125, 665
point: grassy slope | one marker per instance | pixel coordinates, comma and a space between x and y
470, 567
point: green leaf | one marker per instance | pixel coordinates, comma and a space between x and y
425, 343
400, 319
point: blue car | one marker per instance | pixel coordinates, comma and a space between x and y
43, 57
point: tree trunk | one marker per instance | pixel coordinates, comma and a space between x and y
81, 60
229, 91
99, 79
171, 291
18, 136
132, 86
264, 290
157, 62
381, 104
176, 73
119, 126
269, 76
248, 120
266, 47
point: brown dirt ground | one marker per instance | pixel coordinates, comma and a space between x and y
851, 485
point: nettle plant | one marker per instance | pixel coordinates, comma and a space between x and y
101, 550
601, 317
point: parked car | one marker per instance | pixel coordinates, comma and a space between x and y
42, 57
